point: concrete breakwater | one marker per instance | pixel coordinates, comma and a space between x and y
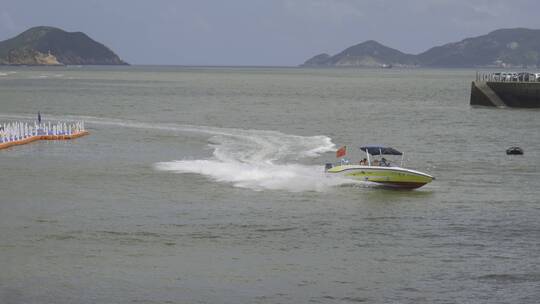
20, 133
506, 90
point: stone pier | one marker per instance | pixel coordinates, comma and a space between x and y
490, 91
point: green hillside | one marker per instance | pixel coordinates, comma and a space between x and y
517, 47
46, 45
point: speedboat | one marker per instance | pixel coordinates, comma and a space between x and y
379, 171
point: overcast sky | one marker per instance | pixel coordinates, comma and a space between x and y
264, 32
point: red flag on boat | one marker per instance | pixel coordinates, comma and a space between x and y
341, 152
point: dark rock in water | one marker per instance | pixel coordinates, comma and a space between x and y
45, 45
514, 151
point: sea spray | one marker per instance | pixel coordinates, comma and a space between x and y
289, 177
254, 159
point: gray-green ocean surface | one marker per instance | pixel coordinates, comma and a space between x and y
206, 185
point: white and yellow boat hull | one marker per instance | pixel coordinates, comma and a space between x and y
395, 177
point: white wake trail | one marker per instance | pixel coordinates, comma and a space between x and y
254, 159
289, 177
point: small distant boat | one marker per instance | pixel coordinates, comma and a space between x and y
379, 171
514, 151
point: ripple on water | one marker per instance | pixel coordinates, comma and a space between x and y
284, 229
507, 278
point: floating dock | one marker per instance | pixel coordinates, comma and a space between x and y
517, 90
21, 133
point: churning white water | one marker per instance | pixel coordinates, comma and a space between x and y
262, 160
254, 159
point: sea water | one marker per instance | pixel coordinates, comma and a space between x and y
207, 185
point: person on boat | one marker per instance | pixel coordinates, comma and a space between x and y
363, 162
39, 117
384, 162
376, 162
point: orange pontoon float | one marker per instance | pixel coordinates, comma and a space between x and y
19, 133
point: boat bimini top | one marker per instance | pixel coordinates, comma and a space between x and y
380, 150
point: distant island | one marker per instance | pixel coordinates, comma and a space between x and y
517, 47
45, 45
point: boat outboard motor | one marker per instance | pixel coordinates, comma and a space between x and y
514, 151
328, 166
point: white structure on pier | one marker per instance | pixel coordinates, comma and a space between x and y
17, 130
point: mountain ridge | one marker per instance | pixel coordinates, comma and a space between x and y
46, 45
499, 48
